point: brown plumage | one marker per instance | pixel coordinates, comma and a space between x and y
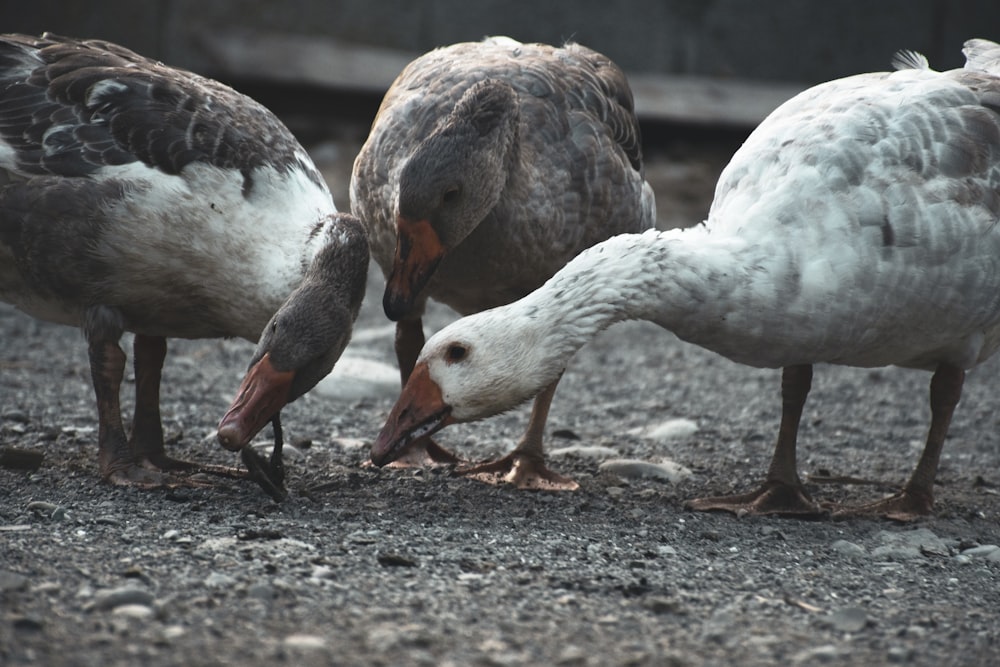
489, 166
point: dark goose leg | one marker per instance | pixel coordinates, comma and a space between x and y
917, 497
116, 457
782, 491
147, 427
525, 466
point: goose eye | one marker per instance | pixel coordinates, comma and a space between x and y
450, 195
456, 352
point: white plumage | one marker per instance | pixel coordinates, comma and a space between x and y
857, 225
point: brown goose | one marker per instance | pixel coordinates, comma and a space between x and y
489, 166
138, 197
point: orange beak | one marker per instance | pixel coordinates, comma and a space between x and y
263, 393
418, 251
419, 411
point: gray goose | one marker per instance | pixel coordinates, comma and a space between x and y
857, 225
138, 197
489, 166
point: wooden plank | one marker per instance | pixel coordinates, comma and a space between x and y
329, 63
301, 59
705, 101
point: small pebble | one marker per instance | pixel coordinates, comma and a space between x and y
304, 642
108, 521
219, 580
350, 443
322, 572
42, 508
288, 452
133, 611
818, 654
395, 560
585, 452
117, 597
900, 654
637, 469
984, 550
356, 378
47, 587
848, 619
572, 655
909, 545
27, 623
262, 591
671, 429
12, 581
16, 416
848, 549
662, 605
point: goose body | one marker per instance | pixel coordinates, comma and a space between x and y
138, 197
489, 166
857, 225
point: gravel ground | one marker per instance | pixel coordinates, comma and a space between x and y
362, 566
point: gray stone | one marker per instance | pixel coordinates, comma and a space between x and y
817, 654
982, 551
117, 597
304, 642
848, 619
12, 581
261, 591
636, 469
899, 654
138, 611
585, 452
909, 545
848, 549
219, 580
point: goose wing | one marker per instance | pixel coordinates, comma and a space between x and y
72, 107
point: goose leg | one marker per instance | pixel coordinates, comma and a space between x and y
525, 466
782, 491
117, 460
147, 426
917, 497
423, 451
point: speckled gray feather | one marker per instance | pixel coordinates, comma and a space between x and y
574, 176
70, 107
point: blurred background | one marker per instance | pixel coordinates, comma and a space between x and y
704, 72
802, 41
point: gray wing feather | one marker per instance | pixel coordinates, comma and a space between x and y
70, 107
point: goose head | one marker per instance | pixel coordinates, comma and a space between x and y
479, 366
305, 337
450, 183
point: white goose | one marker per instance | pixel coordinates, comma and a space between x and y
488, 167
858, 225
138, 197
